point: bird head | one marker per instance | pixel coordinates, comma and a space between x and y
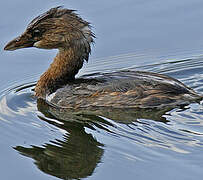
58, 28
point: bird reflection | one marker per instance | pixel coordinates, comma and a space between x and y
74, 157
79, 153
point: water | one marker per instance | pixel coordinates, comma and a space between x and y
159, 36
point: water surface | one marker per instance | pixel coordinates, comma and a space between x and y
158, 36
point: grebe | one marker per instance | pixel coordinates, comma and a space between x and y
63, 29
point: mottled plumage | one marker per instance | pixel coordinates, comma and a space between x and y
63, 29
124, 89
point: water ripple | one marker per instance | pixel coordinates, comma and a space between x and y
132, 135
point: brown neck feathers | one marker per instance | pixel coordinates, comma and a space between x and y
66, 65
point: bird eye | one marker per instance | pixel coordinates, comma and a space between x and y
36, 33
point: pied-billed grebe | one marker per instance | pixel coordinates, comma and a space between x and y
63, 29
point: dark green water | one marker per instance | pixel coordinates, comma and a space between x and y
158, 36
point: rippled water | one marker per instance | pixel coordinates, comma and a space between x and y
42, 142
125, 144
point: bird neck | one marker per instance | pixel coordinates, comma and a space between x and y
65, 66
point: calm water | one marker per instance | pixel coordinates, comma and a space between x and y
159, 36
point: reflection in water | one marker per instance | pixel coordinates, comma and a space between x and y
132, 123
78, 154
74, 157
